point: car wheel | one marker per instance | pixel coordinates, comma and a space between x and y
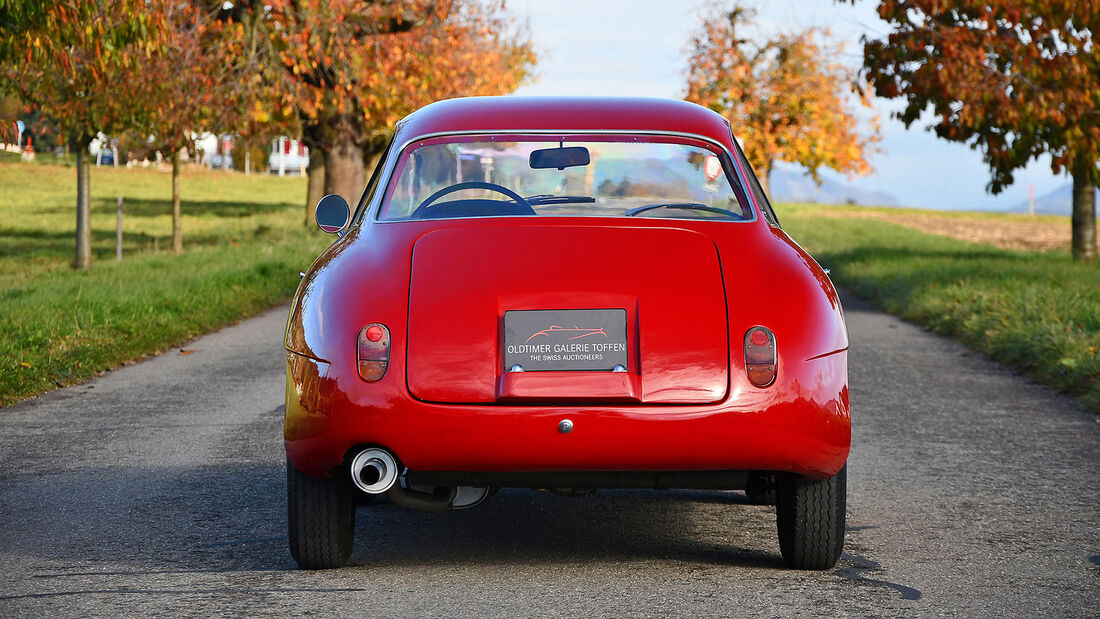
761, 488
810, 518
320, 519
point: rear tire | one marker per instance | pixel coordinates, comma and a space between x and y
320, 519
810, 519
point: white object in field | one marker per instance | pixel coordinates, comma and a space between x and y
288, 156
282, 160
207, 144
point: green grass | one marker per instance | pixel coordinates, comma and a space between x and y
1036, 311
244, 243
41, 158
893, 210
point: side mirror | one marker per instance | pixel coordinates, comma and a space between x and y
333, 213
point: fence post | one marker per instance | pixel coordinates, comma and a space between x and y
118, 231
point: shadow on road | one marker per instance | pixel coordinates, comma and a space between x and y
519, 526
232, 518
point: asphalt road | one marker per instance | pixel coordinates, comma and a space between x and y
159, 489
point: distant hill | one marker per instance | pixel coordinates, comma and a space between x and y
796, 186
1057, 202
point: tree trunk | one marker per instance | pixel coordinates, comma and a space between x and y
177, 230
371, 156
1084, 212
763, 174
316, 187
315, 190
83, 258
344, 162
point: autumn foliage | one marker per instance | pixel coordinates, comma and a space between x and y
786, 98
209, 76
351, 68
342, 72
77, 64
1013, 78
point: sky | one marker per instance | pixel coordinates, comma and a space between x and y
638, 48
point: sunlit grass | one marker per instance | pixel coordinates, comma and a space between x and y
834, 210
1036, 311
244, 243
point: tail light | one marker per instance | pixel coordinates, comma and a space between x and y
760, 360
374, 352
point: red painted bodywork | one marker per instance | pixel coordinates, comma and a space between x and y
691, 288
530, 267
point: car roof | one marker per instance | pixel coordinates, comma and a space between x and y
565, 114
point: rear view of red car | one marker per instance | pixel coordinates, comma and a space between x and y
568, 294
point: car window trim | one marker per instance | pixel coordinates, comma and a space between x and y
373, 208
372, 184
763, 203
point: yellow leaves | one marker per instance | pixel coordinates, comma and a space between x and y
259, 114
782, 97
377, 78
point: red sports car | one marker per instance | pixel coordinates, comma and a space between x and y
563, 294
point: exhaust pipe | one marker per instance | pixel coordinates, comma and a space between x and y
374, 470
439, 499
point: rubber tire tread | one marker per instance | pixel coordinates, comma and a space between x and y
810, 519
320, 519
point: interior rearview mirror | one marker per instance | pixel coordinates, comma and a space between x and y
332, 213
560, 158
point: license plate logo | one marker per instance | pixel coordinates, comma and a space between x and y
539, 340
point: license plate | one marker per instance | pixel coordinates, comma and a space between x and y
581, 339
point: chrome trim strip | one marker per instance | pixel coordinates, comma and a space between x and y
743, 176
371, 212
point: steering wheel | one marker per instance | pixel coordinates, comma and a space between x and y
518, 199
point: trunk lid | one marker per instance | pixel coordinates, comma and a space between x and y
657, 292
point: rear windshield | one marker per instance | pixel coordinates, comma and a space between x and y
597, 176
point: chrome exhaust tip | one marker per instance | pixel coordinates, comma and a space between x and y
374, 470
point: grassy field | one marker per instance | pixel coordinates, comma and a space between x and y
244, 244
1036, 311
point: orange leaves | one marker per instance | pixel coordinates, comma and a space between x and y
782, 98
1029, 69
75, 60
381, 60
